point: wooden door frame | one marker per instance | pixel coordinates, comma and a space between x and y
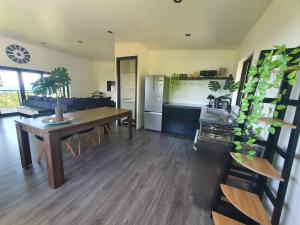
118, 60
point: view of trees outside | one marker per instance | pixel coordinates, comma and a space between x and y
9, 91
10, 97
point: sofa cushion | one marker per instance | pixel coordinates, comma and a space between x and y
34, 98
39, 104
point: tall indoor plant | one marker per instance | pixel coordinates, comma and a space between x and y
53, 84
224, 92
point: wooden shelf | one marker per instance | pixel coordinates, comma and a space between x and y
224, 220
248, 203
204, 78
260, 166
269, 121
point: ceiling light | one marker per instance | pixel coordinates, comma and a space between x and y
177, 1
188, 35
110, 32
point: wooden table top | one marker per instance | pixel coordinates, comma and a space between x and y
80, 118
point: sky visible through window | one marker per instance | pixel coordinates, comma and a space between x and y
9, 80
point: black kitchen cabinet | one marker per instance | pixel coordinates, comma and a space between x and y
181, 120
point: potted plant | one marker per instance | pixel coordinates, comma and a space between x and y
211, 100
98, 94
224, 91
53, 84
174, 82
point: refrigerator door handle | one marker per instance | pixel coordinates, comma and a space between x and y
157, 113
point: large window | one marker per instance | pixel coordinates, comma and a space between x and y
9, 91
16, 85
28, 78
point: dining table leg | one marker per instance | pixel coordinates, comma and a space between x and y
129, 118
24, 146
55, 165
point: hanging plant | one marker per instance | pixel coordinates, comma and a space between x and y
269, 73
174, 82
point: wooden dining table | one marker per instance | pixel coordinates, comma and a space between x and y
52, 134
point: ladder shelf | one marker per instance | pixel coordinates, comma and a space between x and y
248, 203
260, 166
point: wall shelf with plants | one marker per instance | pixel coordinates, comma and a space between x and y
203, 78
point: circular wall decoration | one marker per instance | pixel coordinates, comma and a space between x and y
18, 54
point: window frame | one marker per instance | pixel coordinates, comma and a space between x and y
66, 90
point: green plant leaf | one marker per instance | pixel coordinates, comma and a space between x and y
237, 142
272, 130
238, 147
250, 157
292, 75
252, 153
296, 61
214, 86
276, 114
276, 124
280, 107
292, 82
295, 51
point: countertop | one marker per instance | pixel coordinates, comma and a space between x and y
218, 116
210, 115
184, 105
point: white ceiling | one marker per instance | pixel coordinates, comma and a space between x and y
158, 24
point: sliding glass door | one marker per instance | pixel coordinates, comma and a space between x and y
16, 85
27, 79
10, 97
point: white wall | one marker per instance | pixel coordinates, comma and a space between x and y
279, 25
104, 71
188, 62
80, 70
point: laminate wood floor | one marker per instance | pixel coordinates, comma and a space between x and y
140, 182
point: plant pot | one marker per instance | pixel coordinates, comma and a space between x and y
59, 113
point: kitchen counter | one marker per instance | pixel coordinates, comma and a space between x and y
184, 105
218, 116
181, 119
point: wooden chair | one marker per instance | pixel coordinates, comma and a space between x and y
67, 140
88, 138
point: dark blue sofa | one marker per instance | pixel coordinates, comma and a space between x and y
46, 105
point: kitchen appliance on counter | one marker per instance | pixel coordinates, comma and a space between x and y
208, 73
222, 103
156, 94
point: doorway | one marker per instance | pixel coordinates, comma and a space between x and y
244, 79
127, 85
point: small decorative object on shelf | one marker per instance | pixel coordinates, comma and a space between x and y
53, 84
222, 71
183, 76
268, 74
211, 101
